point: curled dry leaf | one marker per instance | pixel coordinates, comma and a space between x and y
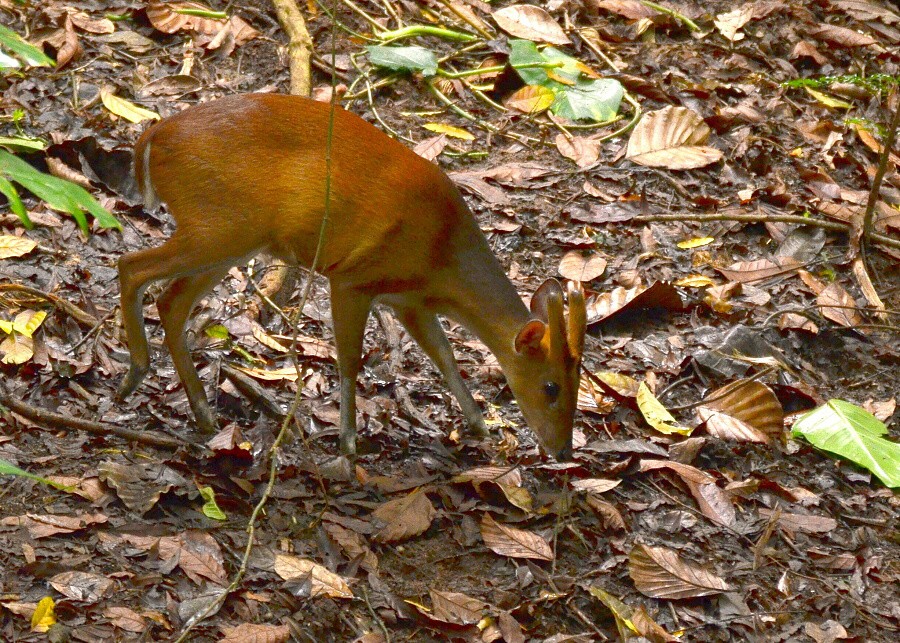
431, 147
166, 17
745, 410
516, 543
659, 572
672, 138
322, 582
532, 23
715, 503
658, 295
404, 517
580, 267
686, 472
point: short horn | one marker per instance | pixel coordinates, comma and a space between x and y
577, 322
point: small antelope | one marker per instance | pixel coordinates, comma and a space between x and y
247, 174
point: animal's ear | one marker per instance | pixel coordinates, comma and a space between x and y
544, 297
530, 336
577, 321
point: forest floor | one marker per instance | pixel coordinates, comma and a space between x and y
729, 534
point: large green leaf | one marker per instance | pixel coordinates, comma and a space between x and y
577, 95
410, 59
12, 41
59, 194
853, 433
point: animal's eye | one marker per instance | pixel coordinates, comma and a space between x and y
551, 390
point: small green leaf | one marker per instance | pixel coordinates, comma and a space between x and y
411, 59
851, 432
217, 331
210, 508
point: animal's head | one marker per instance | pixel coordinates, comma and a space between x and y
547, 365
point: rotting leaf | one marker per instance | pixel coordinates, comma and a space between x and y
672, 138
404, 517
659, 572
515, 543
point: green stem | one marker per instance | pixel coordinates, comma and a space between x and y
425, 30
690, 24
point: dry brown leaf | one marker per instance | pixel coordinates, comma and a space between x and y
836, 304
583, 151
404, 517
749, 272
842, 36
455, 607
867, 10
631, 9
729, 24
322, 581
714, 503
592, 400
510, 476
432, 147
125, 619
791, 523
685, 471
659, 572
85, 587
745, 410
580, 267
255, 633
657, 295
530, 22
609, 515
515, 543
797, 322
595, 485
672, 138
